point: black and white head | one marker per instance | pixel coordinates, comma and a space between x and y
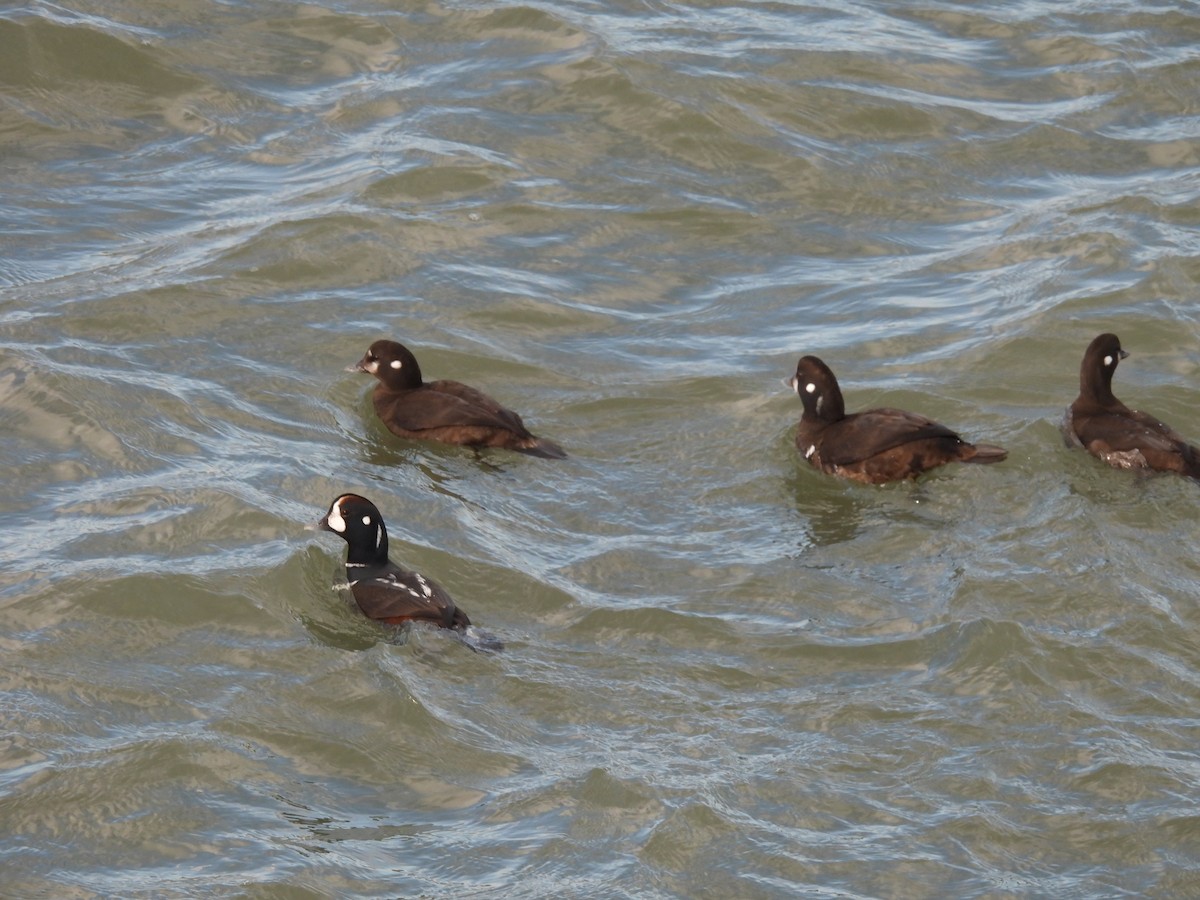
357, 520
818, 390
392, 363
1099, 363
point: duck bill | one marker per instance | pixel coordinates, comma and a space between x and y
370, 366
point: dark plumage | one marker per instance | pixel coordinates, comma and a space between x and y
877, 445
445, 411
1108, 429
383, 590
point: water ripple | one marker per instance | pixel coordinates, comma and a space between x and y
724, 675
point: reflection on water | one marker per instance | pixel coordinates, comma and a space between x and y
724, 674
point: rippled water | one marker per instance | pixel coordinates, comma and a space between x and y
725, 675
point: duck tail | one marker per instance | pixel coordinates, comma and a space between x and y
985, 454
544, 449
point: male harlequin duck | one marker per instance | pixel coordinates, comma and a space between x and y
383, 590
875, 446
1108, 429
444, 411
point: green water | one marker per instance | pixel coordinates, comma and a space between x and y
725, 675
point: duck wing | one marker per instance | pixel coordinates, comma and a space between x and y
1128, 434
396, 594
444, 404
862, 435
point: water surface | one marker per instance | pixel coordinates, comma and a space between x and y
725, 675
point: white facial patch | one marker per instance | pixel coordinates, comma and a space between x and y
372, 366
809, 388
1108, 360
810, 451
366, 520
395, 364
335, 521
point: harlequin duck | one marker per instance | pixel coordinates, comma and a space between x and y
383, 590
1108, 429
444, 411
875, 446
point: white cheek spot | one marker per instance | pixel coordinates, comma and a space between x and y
366, 520
372, 366
810, 451
395, 364
1108, 360
809, 388
335, 520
